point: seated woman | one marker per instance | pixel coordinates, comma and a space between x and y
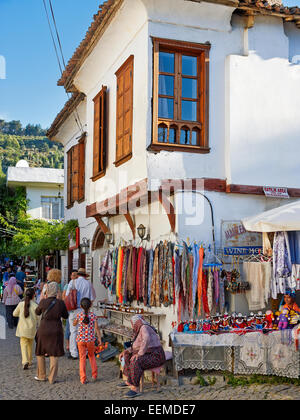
145, 353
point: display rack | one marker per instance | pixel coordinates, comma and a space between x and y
118, 318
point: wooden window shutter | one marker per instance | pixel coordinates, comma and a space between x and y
75, 173
124, 112
69, 178
100, 133
81, 175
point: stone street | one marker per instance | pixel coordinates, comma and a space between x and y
16, 384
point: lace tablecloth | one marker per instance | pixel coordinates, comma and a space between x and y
251, 353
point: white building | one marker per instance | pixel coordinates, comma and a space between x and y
44, 189
172, 98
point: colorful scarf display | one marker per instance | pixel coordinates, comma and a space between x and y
165, 275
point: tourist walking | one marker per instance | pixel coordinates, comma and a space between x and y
27, 326
74, 276
87, 327
50, 335
84, 290
54, 275
11, 299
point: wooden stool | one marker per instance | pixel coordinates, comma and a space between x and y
155, 373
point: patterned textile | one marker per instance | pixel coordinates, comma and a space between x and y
200, 279
210, 290
204, 295
154, 300
150, 274
134, 369
86, 332
282, 265
106, 270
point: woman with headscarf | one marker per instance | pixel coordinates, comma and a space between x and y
50, 336
11, 299
145, 353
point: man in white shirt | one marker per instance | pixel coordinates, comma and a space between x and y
84, 289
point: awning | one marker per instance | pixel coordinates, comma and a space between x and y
285, 218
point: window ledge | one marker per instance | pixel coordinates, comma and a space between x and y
156, 148
123, 160
98, 176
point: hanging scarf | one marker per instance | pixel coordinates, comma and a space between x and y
119, 274
161, 273
184, 265
154, 301
195, 273
200, 279
145, 278
106, 270
216, 286
210, 290
170, 272
129, 276
138, 274
124, 274
150, 274
204, 295
190, 295
221, 294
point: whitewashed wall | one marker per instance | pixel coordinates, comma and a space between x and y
34, 195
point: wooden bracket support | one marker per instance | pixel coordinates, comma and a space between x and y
102, 225
169, 209
130, 221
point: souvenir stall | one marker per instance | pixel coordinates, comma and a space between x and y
265, 340
192, 282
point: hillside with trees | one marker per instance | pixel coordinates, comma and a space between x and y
29, 143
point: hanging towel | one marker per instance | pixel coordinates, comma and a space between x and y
259, 277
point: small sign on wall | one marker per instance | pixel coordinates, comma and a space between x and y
276, 192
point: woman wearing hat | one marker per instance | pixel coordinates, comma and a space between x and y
50, 336
145, 353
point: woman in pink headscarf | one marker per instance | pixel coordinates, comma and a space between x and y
11, 299
145, 353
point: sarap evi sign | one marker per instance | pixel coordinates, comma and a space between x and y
237, 241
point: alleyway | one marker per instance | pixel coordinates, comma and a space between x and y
16, 384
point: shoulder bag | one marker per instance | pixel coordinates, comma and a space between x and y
71, 299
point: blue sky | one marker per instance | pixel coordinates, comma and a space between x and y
29, 93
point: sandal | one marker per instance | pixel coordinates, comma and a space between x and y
122, 385
132, 394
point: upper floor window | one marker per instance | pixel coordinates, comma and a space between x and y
124, 112
52, 208
180, 96
100, 134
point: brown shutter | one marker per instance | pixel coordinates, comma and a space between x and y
96, 152
81, 175
100, 130
69, 178
75, 173
124, 111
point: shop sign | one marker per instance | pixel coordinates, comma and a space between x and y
237, 241
276, 192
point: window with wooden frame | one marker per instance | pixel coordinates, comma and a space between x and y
180, 96
100, 134
124, 112
76, 173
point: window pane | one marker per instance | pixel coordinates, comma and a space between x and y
162, 134
189, 65
166, 62
166, 85
55, 210
185, 136
195, 137
189, 88
165, 108
172, 135
46, 213
189, 111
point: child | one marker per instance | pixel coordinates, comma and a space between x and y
27, 326
87, 326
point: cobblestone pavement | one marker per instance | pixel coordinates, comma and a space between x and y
16, 384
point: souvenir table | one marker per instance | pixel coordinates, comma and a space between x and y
254, 352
